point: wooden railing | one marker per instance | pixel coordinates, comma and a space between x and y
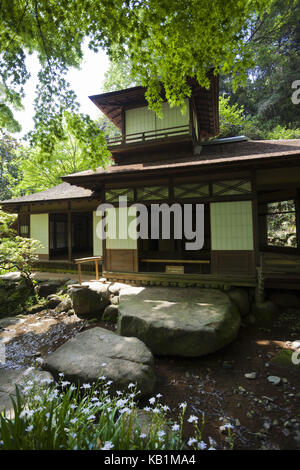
80, 261
150, 135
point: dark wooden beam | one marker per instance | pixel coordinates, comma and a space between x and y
297, 204
69, 232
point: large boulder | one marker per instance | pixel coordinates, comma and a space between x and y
14, 292
241, 298
96, 352
45, 288
178, 321
89, 299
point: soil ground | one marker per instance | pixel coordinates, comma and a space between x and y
264, 416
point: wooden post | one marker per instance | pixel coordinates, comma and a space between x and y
69, 233
123, 127
79, 273
97, 270
18, 222
260, 288
297, 207
191, 119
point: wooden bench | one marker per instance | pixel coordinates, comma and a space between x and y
175, 269
80, 261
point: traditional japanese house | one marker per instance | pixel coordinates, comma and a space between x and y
250, 191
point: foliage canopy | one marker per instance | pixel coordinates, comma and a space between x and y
164, 42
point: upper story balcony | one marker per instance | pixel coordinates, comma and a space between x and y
141, 127
168, 135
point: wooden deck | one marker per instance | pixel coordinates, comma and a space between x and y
173, 280
63, 266
277, 271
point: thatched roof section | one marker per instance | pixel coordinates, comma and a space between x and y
210, 155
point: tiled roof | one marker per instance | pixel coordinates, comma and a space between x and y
209, 155
59, 192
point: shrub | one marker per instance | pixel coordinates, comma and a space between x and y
19, 254
6, 223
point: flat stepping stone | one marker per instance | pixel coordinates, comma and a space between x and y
172, 321
99, 352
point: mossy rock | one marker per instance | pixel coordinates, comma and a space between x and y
241, 299
14, 300
111, 314
284, 359
188, 322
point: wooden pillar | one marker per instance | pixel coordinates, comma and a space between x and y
103, 199
297, 207
123, 127
255, 221
18, 222
79, 273
29, 225
97, 270
191, 119
69, 232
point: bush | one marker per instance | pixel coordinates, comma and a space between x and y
6, 222
282, 132
18, 253
62, 416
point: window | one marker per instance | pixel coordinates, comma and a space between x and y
112, 195
191, 190
231, 187
281, 224
153, 193
24, 230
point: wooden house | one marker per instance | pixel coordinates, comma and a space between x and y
245, 187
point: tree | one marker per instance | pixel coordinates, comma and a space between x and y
231, 117
16, 253
118, 76
9, 164
19, 254
165, 43
6, 223
40, 172
274, 43
107, 127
